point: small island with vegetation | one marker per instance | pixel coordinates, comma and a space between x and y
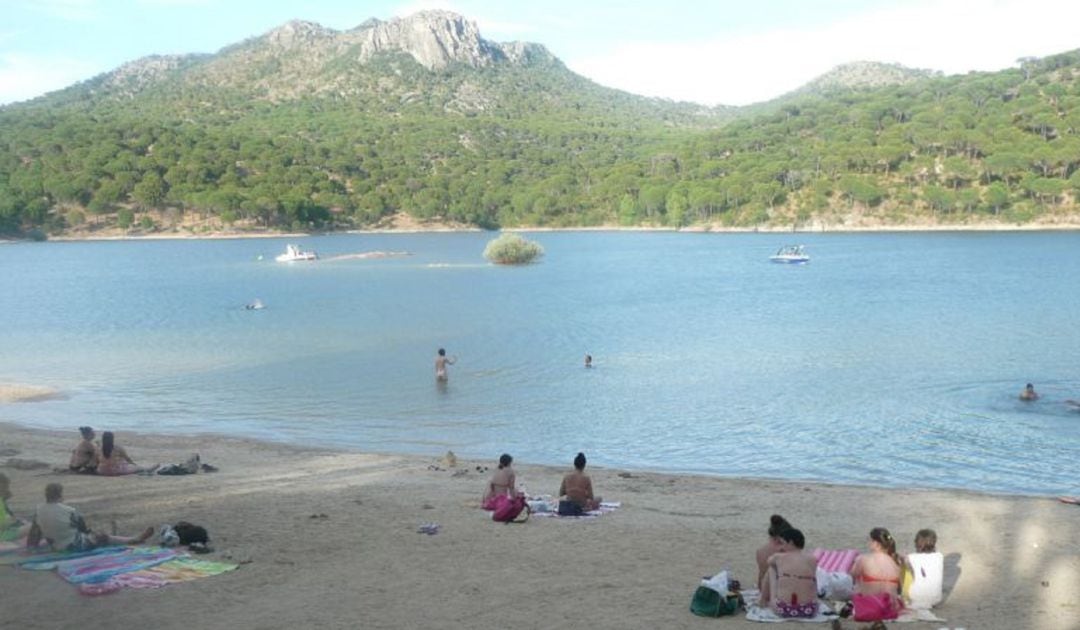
512, 249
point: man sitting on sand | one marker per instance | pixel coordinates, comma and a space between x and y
84, 457
65, 529
791, 586
1029, 393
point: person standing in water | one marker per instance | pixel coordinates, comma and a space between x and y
1028, 393
441, 361
588, 360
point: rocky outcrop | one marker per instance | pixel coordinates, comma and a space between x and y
435, 39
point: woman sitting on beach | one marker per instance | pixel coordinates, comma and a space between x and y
113, 460
790, 587
876, 576
83, 458
11, 528
501, 484
777, 524
576, 491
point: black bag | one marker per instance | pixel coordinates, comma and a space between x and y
189, 533
570, 508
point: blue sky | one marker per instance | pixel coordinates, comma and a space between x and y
709, 52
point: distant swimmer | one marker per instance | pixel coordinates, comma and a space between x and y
441, 361
1029, 393
255, 305
588, 360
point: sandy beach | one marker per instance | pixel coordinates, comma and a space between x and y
328, 539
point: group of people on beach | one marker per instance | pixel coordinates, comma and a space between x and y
576, 495
883, 583
107, 458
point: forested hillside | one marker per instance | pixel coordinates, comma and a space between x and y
308, 128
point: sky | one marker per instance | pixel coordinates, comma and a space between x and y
710, 52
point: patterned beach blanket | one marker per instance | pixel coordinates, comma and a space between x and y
109, 569
548, 507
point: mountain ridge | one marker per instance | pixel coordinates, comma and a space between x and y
305, 127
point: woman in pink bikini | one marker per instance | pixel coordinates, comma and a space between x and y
502, 483
877, 579
792, 579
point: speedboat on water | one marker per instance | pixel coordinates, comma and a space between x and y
294, 253
792, 254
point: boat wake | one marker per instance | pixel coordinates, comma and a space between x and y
368, 255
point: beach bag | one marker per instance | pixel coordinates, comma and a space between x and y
709, 603
878, 607
189, 533
834, 585
507, 508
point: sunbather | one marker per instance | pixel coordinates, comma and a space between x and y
877, 579
83, 458
11, 528
65, 529
502, 482
576, 487
777, 524
791, 579
113, 460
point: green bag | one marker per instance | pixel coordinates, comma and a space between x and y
708, 603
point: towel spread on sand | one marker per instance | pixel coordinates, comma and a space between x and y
547, 507
110, 569
754, 612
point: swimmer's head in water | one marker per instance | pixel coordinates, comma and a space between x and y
579, 461
505, 460
1030, 387
442, 352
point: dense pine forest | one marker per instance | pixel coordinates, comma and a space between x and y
300, 133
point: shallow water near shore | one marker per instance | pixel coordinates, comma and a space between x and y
890, 359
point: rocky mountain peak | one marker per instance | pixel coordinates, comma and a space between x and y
298, 32
435, 39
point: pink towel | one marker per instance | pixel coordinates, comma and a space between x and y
836, 560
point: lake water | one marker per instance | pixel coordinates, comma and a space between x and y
890, 359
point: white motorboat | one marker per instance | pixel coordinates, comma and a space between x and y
294, 254
791, 254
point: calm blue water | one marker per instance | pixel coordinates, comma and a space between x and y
891, 359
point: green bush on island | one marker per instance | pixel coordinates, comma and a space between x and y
512, 249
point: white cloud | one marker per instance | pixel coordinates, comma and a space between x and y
73, 10
954, 36
24, 77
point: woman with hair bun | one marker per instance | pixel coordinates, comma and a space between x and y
777, 525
